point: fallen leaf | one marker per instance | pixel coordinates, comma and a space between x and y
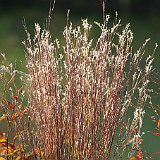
156, 133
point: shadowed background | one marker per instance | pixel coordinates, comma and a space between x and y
143, 15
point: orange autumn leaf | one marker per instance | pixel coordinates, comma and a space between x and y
3, 117
133, 158
1, 158
156, 133
2, 137
3, 141
18, 158
16, 98
140, 155
11, 105
15, 115
158, 124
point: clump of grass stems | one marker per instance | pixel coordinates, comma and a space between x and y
87, 101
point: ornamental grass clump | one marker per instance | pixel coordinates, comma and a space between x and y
87, 101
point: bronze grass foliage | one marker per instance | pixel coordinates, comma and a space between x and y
80, 97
